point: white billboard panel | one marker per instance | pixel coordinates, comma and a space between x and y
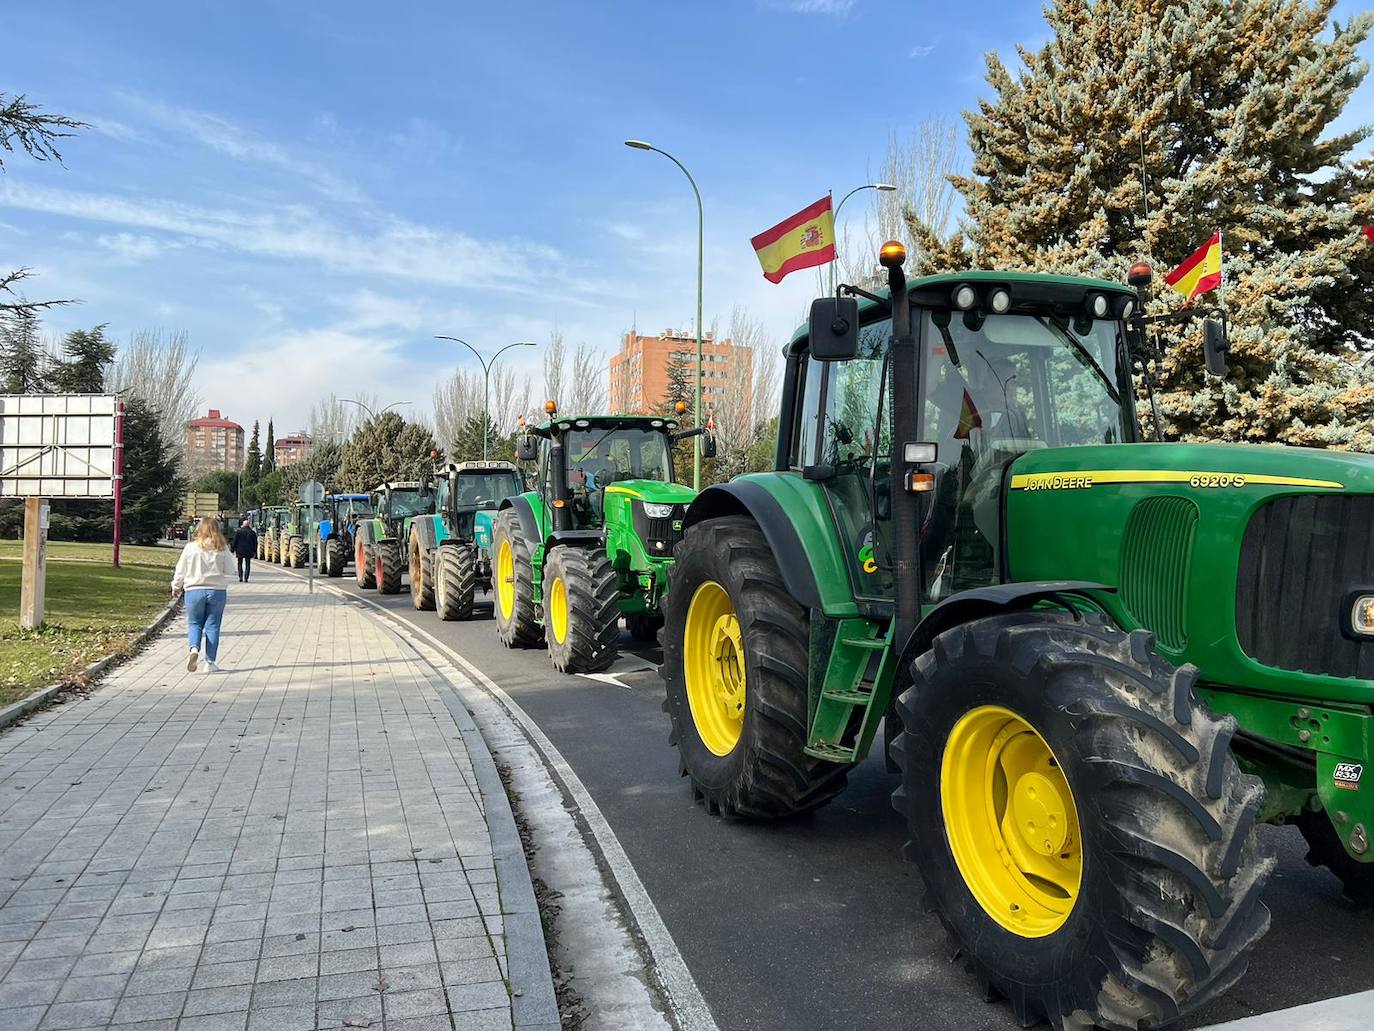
57, 445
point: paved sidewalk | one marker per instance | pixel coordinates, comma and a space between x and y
296, 842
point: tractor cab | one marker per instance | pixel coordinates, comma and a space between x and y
462, 489
396, 502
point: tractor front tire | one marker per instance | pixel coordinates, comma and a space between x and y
512, 582
644, 626
455, 581
364, 562
734, 671
1324, 848
421, 576
581, 610
389, 566
300, 553
336, 556
1083, 831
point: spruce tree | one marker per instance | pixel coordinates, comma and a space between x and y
86, 356
386, 448
252, 461
21, 355
269, 453
1141, 128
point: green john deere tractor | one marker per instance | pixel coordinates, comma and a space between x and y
1098, 662
450, 550
273, 517
293, 537
593, 541
377, 554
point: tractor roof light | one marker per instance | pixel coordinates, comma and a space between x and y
1097, 305
1000, 300
551, 407
892, 254
1140, 274
680, 407
582, 424
1126, 309
964, 297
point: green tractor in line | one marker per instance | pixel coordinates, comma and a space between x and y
273, 518
1099, 663
450, 550
293, 537
342, 513
377, 555
593, 541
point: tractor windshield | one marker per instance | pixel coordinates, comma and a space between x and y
351, 508
402, 503
600, 457
481, 489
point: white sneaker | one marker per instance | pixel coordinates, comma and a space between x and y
192, 657
210, 667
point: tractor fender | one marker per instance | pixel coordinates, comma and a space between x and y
988, 601
424, 529
363, 532
524, 512
742, 497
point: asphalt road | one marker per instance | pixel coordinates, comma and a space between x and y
817, 922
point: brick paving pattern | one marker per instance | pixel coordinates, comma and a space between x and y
296, 842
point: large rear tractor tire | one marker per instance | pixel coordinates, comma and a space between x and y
1083, 831
336, 552
644, 626
364, 561
734, 669
455, 581
1324, 849
262, 547
512, 581
421, 575
581, 610
388, 566
300, 553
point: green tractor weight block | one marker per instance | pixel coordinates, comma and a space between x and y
377, 541
592, 542
1098, 661
450, 549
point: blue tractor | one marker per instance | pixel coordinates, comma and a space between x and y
341, 515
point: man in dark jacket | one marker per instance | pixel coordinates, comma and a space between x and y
245, 547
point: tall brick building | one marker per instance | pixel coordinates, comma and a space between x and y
639, 371
292, 449
213, 444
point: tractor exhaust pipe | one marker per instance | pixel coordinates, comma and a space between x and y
906, 568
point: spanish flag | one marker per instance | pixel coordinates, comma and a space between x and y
969, 419
804, 240
1200, 272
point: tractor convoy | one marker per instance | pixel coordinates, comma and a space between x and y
1096, 662
336, 531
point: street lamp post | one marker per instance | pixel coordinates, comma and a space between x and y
371, 414
486, 379
882, 187
701, 219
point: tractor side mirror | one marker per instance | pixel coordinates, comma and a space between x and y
708, 445
1215, 346
527, 449
834, 331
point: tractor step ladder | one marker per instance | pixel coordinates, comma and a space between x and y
844, 708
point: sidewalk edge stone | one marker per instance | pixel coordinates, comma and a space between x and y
44, 696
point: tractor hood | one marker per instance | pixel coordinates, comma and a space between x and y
1240, 558
653, 491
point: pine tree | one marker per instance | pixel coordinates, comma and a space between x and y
681, 386
252, 461
21, 355
269, 453
153, 490
386, 448
86, 355
1145, 125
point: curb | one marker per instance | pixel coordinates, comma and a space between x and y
534, 1004
44, 696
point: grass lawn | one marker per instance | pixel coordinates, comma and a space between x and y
92, 610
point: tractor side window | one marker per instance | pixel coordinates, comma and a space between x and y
856, 443
804, 453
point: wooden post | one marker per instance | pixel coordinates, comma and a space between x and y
33, 591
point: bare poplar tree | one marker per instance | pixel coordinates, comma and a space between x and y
334, 419
457, 401
590, 384
158, 368
554, 356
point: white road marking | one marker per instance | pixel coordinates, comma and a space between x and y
1343, 1013
622, 666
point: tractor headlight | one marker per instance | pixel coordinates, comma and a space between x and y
655, 511
964, 297
1000, 301
1098, 306
1127, 309
1362, 615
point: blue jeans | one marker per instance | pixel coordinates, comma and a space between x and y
204, 610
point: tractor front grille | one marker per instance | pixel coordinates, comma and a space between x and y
1301, 557
660, 536
1156, 558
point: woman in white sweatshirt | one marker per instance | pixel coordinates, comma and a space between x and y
203, 573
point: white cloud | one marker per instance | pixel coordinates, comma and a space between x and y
135, 247
835, 8
920, 51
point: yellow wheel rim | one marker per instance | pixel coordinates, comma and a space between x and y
713, 665
558, 609
1011, 821
505, 578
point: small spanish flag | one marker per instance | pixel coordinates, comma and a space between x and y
802, 241
969, 419
1200, 272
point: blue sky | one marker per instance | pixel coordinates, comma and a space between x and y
313, 190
